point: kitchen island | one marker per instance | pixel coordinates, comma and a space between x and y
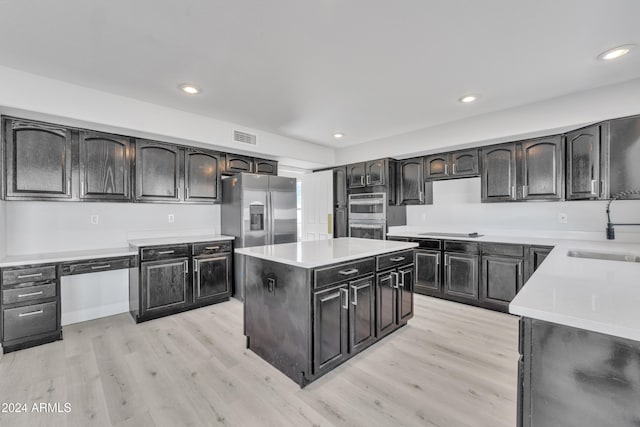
310, 306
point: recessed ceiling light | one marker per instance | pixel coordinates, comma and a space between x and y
468, 98
338, 135
615, 53
190, 89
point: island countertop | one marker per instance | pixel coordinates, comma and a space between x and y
317, 253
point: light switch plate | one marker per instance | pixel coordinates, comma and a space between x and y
95, 219
171, 218
563, 218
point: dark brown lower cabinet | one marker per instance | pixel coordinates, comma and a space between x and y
502, 278
212, 278
165, 284
394, 298
427, 272
461, 275
362, 313
330, 328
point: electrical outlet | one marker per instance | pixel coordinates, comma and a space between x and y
95, 219
171, 218
563, 218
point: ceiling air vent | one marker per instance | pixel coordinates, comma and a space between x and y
243, 137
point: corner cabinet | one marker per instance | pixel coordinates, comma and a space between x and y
158, 172
38, 160
104, 166
412, 189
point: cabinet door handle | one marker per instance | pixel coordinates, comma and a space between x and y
28, 276
98, 267
31, 294
355, 295
593, 187
420, 195
394, 281
165, 252
368, 179
345, 296
454, 169
401, 283
186, 267
446, 169
348, 272
513, 191
31, 313
82, 188
396, 259
525, 191
362, 180
195, 265
186, 191
212, 248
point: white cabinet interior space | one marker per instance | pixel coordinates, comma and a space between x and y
317, 205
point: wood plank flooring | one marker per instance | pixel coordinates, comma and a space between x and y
452, 365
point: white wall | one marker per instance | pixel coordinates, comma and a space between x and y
456, 206
48, 99
539, 118
3, 229
37, 227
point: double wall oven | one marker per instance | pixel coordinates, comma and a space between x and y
368, 215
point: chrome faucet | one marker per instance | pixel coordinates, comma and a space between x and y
611, 234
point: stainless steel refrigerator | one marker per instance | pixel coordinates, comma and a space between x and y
257, 210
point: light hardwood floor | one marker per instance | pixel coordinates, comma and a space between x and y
452, 365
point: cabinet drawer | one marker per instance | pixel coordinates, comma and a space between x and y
95, 266
394, 260
30, 274
28, 293
461, 246
164, 252
211, 248
343, 272
503, 249
30, 320
428, 243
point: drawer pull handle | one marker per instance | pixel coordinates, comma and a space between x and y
348, 272
31, 313
27, 276
397, 259
31, 294
165, 252
212, 248
98, 267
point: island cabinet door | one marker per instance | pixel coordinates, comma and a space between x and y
405, 293
330, 328
386, 302
362, 330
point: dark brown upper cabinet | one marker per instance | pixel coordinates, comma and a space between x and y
237, 164
368, 174
104, 166
499, 173
201, 176
157, 172
38, 160
542, 169
584, 164
265, 167
527, 170
411, 185
458, 164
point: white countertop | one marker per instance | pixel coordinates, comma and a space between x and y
175, 240
44, 258
317, 253
596, 295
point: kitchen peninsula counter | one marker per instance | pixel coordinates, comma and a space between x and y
310, 306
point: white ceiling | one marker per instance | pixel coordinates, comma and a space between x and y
305, 69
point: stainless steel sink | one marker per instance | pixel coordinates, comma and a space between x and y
606, 256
